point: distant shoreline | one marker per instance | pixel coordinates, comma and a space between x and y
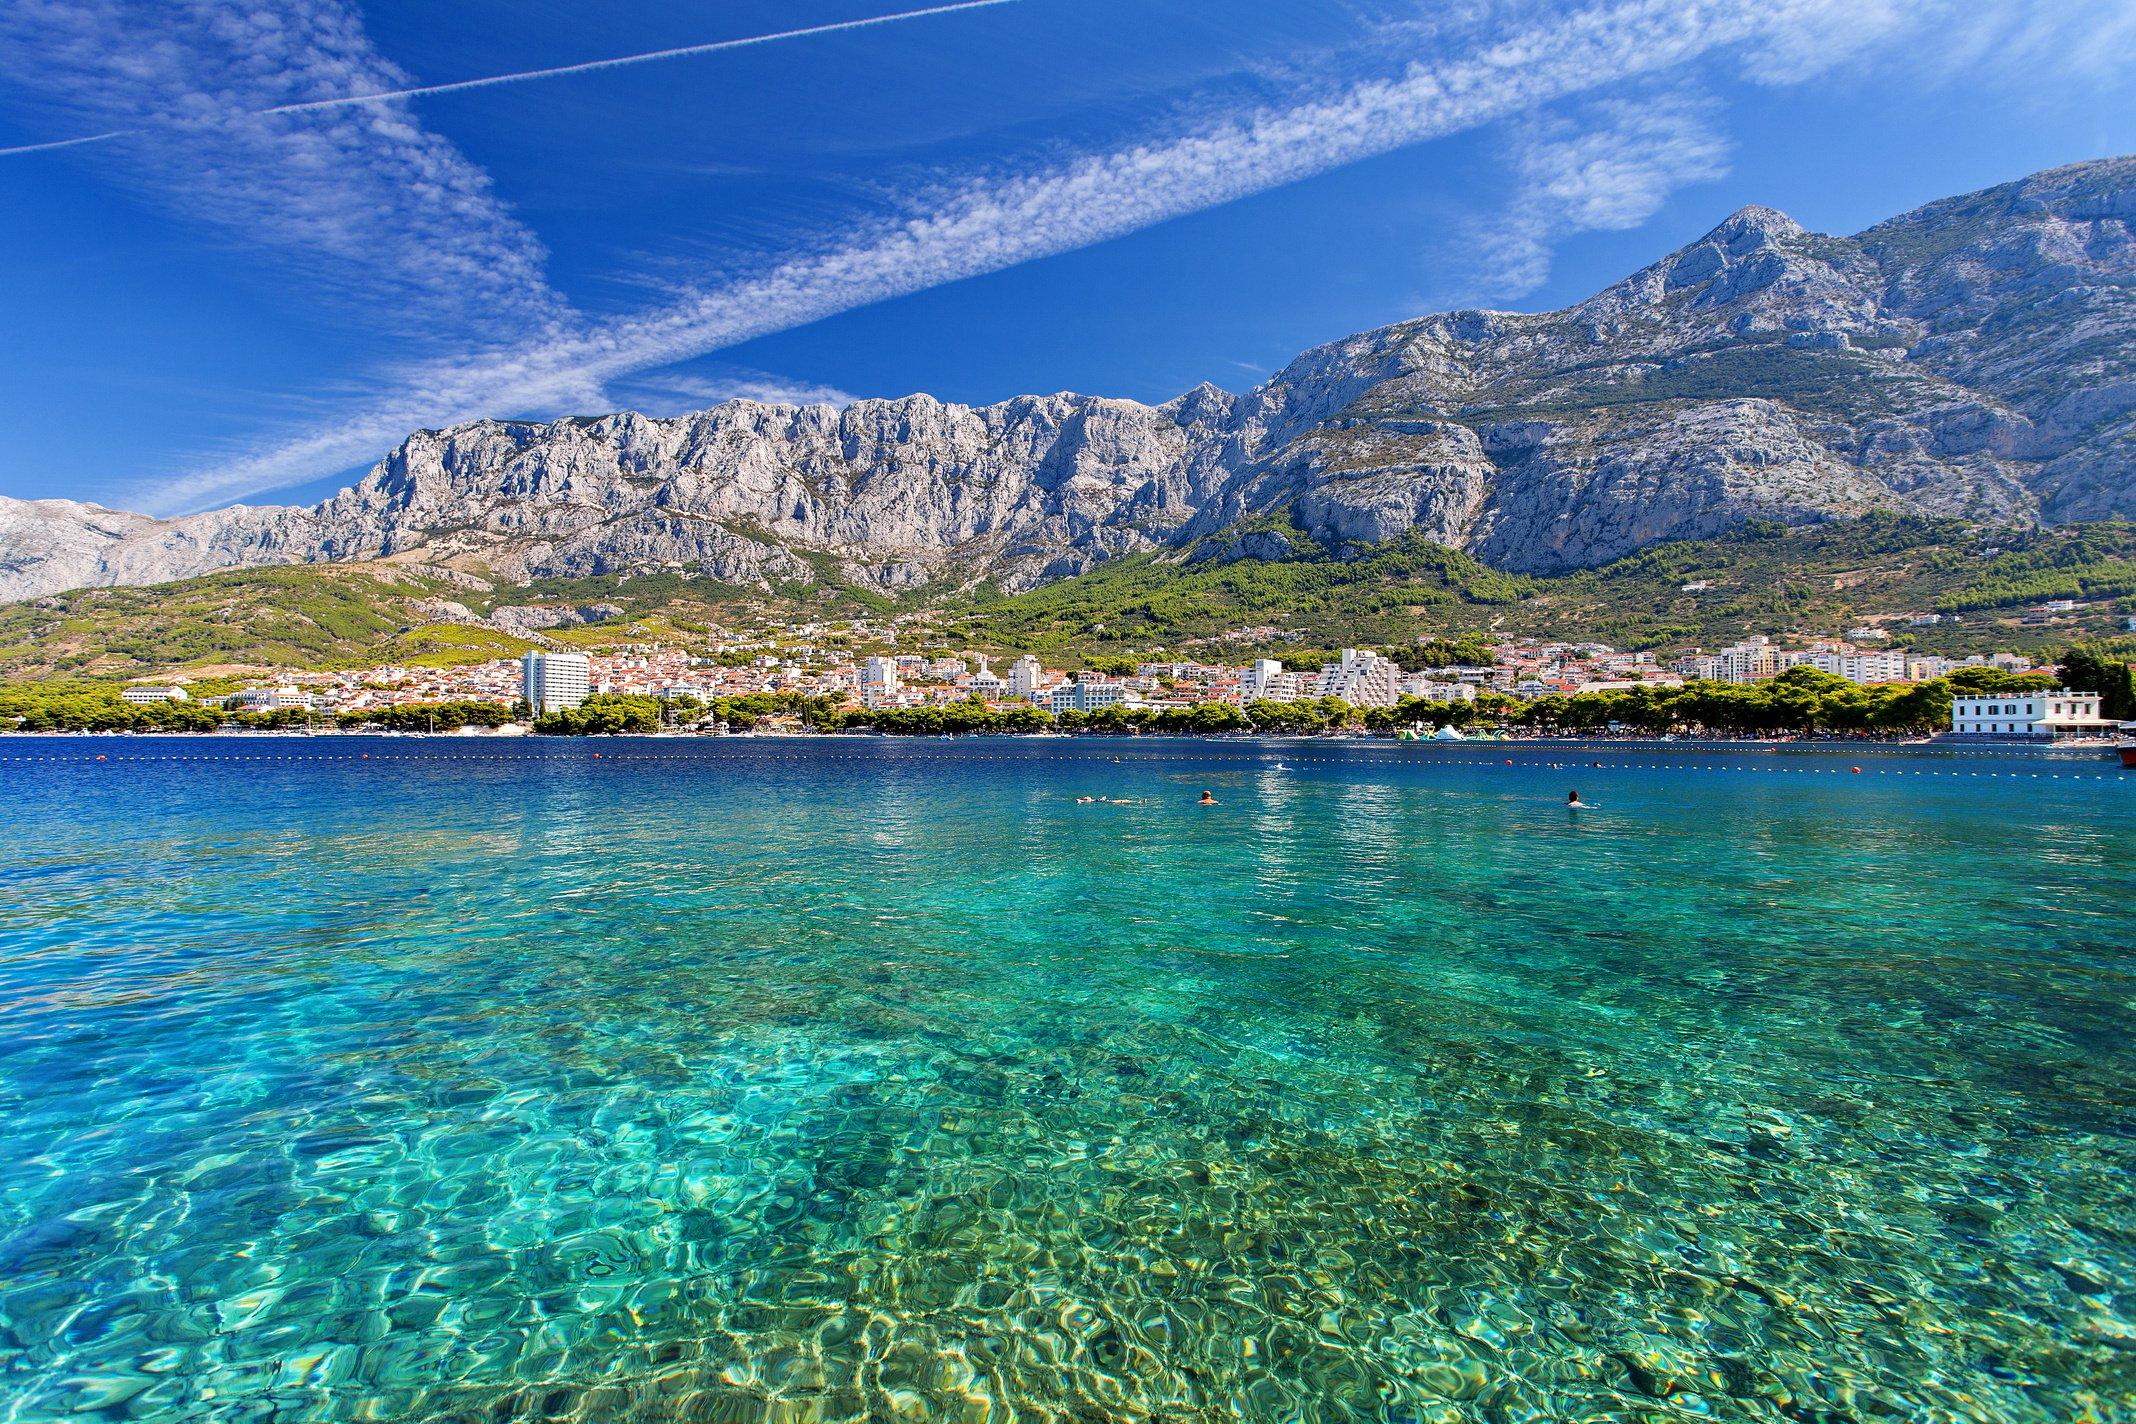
1865, 747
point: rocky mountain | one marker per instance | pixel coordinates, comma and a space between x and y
1975, 357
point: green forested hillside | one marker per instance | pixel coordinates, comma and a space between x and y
1766, 579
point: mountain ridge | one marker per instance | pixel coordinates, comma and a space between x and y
1975, 357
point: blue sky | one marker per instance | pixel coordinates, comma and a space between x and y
1123, 197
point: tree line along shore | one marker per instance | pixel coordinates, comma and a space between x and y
1800, 701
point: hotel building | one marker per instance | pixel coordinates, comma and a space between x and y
2029, 716
551, 682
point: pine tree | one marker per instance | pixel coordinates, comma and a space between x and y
2089, 670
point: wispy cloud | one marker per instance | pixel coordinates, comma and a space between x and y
1608, 165
596, 66
995, 222
979, 225
364, 206
2005, 45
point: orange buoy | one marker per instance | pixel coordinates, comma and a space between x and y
1857, 771
100, 758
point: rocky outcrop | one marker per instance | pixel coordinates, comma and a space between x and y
1976, 357
48, 545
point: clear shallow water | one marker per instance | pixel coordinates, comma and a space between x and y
845, 1080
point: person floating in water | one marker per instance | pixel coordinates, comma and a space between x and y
1574, 803
1209, 800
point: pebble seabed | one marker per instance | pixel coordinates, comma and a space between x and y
703, 1103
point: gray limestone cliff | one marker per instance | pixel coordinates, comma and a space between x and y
1975, 357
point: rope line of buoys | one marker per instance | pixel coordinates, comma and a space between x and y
715, 757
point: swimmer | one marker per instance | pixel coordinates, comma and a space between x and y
1084, 800
1574, 803
1209, 800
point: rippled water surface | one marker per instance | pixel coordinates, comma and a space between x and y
873, 1080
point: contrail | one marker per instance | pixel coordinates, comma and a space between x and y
66, 142
587, 68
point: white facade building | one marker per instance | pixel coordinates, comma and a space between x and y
1749, 661
879, 683
1291, 687
1255, 685
1268, 682
1024, 676
1360, 679
140, 695
2029, 716
1864, 668
273, 699
1087, 696
550, 682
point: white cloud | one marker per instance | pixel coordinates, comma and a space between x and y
597, 66
363, 205
991, 222
2007, 45
1608, 166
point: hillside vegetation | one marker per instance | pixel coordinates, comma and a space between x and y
1766, 579
312, 616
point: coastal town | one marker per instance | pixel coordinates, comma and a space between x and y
817, 666
1525, 669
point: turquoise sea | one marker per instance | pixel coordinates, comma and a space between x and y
860, 1079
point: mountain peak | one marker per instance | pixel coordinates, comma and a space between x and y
1755, 225
1750, 251
1969, 358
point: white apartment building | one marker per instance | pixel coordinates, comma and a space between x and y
2029, 716
1360, 679
1086, 696
1276, 685
1024, 676
879, 683
142, 695
1864, 668
550, 682
273, 699
1745, 662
